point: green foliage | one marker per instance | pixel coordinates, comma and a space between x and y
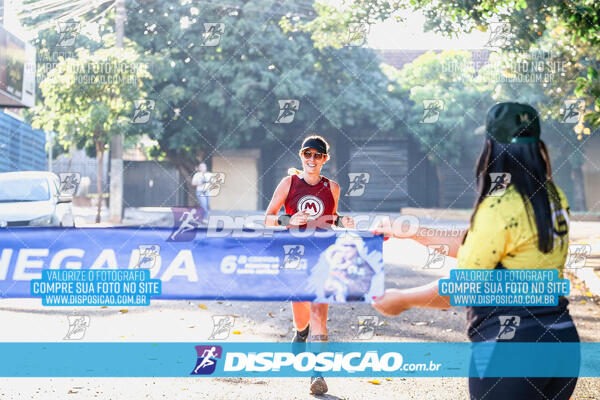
574, 22
89, 98
210, 98
449, 77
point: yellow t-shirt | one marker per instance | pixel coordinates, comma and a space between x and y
503, 232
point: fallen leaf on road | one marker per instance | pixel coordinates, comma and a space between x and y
271, 315
375, 381
202, 306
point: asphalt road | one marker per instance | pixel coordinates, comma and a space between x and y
191, 321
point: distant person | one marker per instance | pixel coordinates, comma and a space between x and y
524, 228
202, 181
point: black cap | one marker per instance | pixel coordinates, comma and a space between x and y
513, 123
314, 143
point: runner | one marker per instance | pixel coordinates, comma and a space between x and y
525, 227
310, 200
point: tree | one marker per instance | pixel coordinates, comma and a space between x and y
521, 23
219, 71
515, 77
89, 99
447, 101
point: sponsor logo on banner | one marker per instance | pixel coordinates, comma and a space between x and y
207, 359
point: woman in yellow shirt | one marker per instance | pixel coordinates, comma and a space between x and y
522, 224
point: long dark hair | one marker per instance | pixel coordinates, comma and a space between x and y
529, 167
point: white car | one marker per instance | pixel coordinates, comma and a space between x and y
33, 198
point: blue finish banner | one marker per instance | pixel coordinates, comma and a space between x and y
266, 359
260, 264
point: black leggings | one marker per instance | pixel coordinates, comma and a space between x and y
552, 327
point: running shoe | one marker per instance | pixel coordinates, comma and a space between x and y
318, 385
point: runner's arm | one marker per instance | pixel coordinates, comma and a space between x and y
347, 222
450, 237
277, 201
395, 301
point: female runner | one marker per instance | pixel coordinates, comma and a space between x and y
310, 200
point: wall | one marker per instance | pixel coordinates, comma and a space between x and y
240, 190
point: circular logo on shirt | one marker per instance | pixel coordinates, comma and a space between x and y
312, 205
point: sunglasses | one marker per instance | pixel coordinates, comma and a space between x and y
307, 154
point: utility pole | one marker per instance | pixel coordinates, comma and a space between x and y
116, 143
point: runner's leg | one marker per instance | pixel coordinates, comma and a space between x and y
318, 334
301, 312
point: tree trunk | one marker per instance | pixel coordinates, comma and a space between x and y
99, 162
578, 189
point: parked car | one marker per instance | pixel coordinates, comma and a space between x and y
33, 198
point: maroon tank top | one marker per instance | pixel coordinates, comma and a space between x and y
317, 200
